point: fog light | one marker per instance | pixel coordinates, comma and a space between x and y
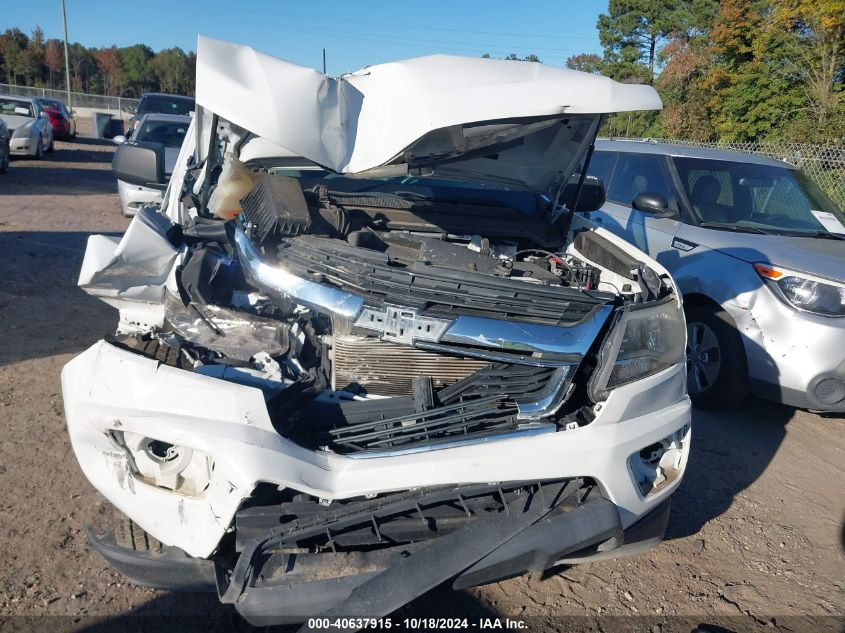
658, 465
164, 465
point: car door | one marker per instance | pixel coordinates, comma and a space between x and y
627, 174
42, 120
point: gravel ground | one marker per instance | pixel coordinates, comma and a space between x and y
755, 540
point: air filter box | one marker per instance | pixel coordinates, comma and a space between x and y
276, 207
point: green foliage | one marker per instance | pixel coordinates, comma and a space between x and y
127, 72
585, 62
735, 70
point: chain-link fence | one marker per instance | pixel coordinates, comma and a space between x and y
825, 164
77, 99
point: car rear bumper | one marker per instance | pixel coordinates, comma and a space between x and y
289, 594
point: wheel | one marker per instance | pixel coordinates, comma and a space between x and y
52, 145
717, 372
130, 535
4, 162
39, 149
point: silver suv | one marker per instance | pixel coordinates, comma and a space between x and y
758, 252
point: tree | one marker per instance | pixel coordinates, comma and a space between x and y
686, 111
585, 62
172, 70
54, 59
816, 58
528, 58
83, 67
632, 31
13, 43
108, 61
135, 62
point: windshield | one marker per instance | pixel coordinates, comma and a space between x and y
8, 106
169, 133
55, 104
772, 199
167, 105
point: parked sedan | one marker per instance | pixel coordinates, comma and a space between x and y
29, 126
165, 129
64, 124
758, 251
4, 148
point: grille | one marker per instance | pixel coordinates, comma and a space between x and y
384, 368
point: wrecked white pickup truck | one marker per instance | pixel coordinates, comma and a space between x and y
356, 355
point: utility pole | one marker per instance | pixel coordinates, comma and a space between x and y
324, 61
67, 58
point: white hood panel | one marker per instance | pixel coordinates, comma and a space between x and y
367, 119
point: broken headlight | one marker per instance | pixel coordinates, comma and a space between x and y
644, 340
804, 292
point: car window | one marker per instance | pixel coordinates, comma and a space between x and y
167, 132
7, 106
167, 105
638, 173
768, 197
601, 166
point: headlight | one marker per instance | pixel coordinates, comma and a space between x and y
644, 340
804, 292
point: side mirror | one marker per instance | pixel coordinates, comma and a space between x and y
44, 114
653, 203
140, 163
593, 195
119, 139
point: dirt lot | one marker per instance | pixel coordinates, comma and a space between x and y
755, 540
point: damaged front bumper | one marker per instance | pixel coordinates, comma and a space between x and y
109, 390
287, 588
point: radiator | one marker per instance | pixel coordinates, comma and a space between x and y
384, 368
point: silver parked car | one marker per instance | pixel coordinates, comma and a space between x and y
30, 130
165, 129
758, 251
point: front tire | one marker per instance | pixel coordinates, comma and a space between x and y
130, 535
717, 371
52, 144
4, 162
39, 149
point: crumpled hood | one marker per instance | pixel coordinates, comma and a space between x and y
823, 257
511, 120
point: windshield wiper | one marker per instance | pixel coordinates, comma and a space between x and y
825, 235
732, 227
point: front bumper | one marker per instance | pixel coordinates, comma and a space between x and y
23, 146
109, 389
793, 357
304, 588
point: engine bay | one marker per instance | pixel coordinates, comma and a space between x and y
379, 322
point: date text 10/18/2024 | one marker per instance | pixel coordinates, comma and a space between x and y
315, 624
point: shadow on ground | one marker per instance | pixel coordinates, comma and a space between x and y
44, 312
730, 450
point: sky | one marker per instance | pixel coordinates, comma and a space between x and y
355, 34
